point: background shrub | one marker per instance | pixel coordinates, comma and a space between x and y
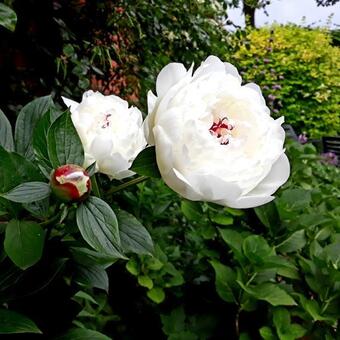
299, 72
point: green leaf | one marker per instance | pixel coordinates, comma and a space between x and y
332, 253
268, 215
40, 137
145, 163
269, 292
82, 334
8, 17
90, 257
145, 281
225, 281
174, 322
14, 170
294, 242
6, 136
28, 192
99, 227
12, 322
267, 333
256, 249
191, 210
221, 219
24, 242
38, 209
281, 319
234, 239
64, 144
133, 235
156, 294
132, 267
93, 276
26, 122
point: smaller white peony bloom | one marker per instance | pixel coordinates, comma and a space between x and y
111, 133
215, 140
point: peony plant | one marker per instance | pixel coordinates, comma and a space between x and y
207, 136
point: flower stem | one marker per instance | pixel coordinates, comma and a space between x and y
127, 184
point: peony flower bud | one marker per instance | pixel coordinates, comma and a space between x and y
70, 183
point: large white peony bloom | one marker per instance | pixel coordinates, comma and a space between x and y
215, 140
111, 133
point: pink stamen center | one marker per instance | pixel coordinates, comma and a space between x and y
106, 121
221, 130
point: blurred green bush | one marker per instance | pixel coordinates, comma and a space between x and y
299, 72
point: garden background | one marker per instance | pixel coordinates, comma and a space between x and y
214, 273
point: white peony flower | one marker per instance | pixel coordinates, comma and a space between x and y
111, 133
215, 140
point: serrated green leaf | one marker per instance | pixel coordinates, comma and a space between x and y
156, 294
145, 281
133, 235
132, 267
8, 17
64, 144
12, 322
268, 215
294, 242
269, 292
224, 281
28, 192
99, 226
26, 122
191, 210
145, 163
256, 249
267, 333
6, 136
24, 242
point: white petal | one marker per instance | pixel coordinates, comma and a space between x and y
71, 104
151, 101
101, 147
277, 176
210, 65
214, 188
246, 202
231, 69
169, 76
166, 165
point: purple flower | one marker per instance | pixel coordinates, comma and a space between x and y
265, 87
276, 111
330, 158
281, 77
266, 60
276, 87
302, 138
271, 97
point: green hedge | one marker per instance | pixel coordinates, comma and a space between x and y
298, 70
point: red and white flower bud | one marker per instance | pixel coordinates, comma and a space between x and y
70, 183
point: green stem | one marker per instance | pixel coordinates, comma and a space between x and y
51, 220
95, 186
127, 184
